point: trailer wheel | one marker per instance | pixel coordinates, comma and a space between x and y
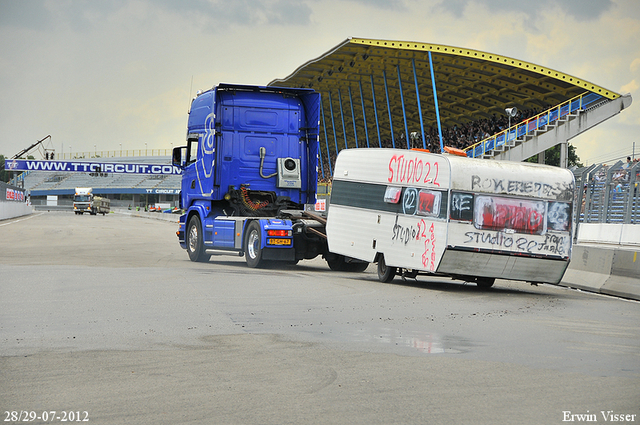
252, 245
385, 274
485, 282
195, 247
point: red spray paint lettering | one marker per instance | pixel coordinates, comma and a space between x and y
429, 254
414, 170
519, 218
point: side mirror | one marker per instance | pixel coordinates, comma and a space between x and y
177, 157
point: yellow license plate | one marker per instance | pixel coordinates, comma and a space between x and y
275, 241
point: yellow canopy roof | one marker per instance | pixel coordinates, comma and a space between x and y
470, 84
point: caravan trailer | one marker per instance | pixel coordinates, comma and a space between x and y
414, 212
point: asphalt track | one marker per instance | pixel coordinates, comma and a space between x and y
106, 315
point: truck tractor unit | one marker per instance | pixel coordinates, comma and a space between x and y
249, 176
84, 201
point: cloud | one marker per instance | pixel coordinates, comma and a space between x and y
383, 4
630, 87
579, 9
243, 12
26, 13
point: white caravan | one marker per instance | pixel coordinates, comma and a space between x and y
477, 220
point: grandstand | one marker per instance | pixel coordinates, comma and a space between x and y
122, 189
385, 93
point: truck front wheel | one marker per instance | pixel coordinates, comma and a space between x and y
195, 247
252, 245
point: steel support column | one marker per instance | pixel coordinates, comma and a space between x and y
326, 141
364, 116
386, 91
333, 124
344, 130
375, 111
435, 98
404, 112
415, 79
353, 118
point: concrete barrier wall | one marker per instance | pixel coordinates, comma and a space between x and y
609, 233
605, 270
14, 209
152, 215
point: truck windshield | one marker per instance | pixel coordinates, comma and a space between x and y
82, 198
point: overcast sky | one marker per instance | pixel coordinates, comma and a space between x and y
98, 74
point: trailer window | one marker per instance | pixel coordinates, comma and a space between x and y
429, 203
559, 216
461, 206
393, 199
519, 215
423, 202
392, 194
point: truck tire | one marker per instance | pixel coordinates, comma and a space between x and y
253, 245
338, 263
385, 273
195, 246
356, 267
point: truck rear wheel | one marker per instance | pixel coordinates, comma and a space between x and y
339, 263
385, 273
195, 247
356, 267
253, 245
336, 262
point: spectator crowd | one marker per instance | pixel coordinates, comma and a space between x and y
459, 136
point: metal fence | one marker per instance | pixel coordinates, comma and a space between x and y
608, 194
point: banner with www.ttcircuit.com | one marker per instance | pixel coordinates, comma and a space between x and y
89, 167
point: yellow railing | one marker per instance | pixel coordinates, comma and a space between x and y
528, 125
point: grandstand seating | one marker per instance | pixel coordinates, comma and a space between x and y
533, 136
43, 183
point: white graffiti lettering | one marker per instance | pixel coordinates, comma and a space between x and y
517, 187
553, 244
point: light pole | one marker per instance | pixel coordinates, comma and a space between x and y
511, 112
120, 150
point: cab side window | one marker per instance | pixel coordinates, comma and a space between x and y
192, 150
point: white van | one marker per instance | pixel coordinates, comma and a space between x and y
476, 220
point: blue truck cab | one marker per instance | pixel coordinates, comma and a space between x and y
249, 170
